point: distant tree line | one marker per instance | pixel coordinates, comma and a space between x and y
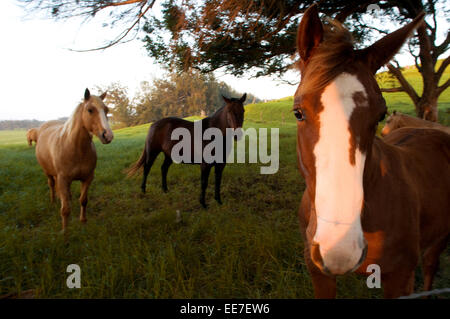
22, 124
19, 124
177, 94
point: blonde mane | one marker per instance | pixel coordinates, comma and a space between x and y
324, 65
72, 121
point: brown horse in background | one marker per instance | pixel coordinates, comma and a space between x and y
397, 120
66, 151
159, 140
32, 135
367, 200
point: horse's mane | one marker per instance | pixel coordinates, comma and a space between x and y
323, 66
218, 111
72, 121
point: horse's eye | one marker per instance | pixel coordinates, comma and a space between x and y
90, 111
383, 116
299, 115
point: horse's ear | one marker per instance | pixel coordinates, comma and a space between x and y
395, 112
87, 94
103, 96
242, 99
379, 53
227, 100
310, 32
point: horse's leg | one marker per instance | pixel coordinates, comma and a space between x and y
218, 174
147, 166
430, 261
398, 284
206, 169
84, 196
164, 168
51, 185
63, 188
324, 286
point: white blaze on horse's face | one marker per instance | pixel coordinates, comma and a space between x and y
339, 183
98, 122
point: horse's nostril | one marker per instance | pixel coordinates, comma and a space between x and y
104, 134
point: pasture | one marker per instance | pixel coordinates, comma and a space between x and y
132, 245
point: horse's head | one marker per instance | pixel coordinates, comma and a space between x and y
234, 112
392, 123
338, 105
94, 117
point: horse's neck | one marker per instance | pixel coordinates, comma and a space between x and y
75, 134
216, 120
376, 161
384, 163
411, 120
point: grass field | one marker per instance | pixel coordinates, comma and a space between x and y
133, 247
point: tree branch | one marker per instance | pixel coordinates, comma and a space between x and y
124, 33
404, 83
443, 46
442, 88
442, 68
391, 90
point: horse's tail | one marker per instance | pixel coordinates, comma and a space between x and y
133, 169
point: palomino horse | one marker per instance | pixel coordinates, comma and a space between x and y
66, 151
32, 135
397, 120
367, 200
159, 140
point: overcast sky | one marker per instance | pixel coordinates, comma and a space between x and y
41, 79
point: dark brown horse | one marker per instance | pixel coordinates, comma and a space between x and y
367, 200
159, 139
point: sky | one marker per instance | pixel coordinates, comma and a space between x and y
40, 78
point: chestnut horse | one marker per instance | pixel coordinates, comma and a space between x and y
397, 120
367, 200
32, 135
66, 151
159, 140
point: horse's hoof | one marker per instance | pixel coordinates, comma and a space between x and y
165, 190
218, 200
203, 204
83, 220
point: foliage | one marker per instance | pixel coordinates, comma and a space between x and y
257, 38
176, 94
119, 104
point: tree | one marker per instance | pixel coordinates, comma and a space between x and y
256, 37
182, 94
241, 35
119, 104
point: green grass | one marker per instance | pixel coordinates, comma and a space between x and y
132, 246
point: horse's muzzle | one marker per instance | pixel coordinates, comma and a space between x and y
317, 259
106, 136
